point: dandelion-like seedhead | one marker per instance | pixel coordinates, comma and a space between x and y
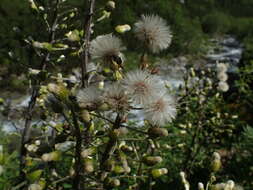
223, 86
222, 67
115, 95
142, 86
222, 76
106, 47
89, 97
154, 32
162, 110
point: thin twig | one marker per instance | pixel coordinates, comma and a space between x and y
78, 148
86, 45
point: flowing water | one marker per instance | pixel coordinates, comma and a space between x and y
226, 49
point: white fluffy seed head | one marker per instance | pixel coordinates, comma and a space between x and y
223, 86
116, 97
222, 67
222, 76
89, 97
142, 86
160, 111
105, 47
154, 32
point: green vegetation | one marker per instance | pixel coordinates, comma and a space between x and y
86, 138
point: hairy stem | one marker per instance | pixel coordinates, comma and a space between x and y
86, 46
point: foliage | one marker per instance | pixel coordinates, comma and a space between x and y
103, 127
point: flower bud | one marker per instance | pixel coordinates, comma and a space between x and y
112, 182
201, 186
159, 172
229, 185
42, 183
155, 132
85, 116
216, 162
61, 91
152, 160
85, 153
119, 169
73, 36
52, 156
103, 107
88, 165
122, 28
126, 148
110, 5
34, 187
219, 186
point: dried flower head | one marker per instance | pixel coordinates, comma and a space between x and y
89, 97
154, 32
223, 86
161, 110
222, 76
142, 86
116, 97
106, 47
222, 67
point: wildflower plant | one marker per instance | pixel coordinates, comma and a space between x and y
87, 137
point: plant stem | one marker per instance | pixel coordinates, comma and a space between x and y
34, 96
86, 46
78, 148
111, 143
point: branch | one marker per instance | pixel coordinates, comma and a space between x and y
78, 148
86, 45
34, 96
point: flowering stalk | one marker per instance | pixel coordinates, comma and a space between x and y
86, 45
34, 96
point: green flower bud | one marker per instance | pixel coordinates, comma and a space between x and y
52, 156
85, 116
112, 182
73, 36
42, 183
159, 172
155, 132
110, 5
119, 169
201, 186
216, 162
103, 107
122, 28
126, 148
34, 187
152, 160
87, 152
88, 165
61, 91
